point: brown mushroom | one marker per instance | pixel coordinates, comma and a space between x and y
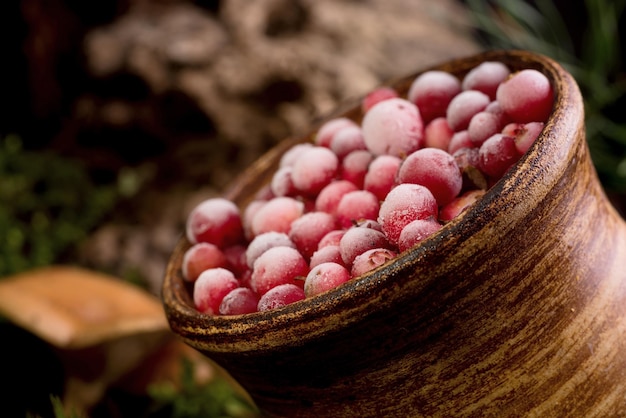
102, 328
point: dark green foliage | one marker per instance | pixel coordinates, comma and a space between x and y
586, 42
47, 205
216, 399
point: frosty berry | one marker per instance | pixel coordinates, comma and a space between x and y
360, 193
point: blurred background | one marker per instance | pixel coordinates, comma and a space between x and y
118, 116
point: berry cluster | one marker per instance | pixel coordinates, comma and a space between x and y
359, 194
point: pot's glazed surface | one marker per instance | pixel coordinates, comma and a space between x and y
516, 308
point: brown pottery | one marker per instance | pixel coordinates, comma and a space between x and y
515, 308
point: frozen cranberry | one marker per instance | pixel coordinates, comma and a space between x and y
217, 221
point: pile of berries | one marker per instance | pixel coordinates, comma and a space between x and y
361, 193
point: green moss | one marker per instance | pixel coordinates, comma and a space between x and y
48, 204
216, 399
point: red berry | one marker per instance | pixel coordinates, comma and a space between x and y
393, 127
217, 221
241, 300
463, 107
458, 205
417, 231
328, 198
279, 296
377, 95
307, 231
326, 254
497, 154
438, 134
432, 92
199, 257
331, 238
435, 169
404, 204
324, 277
356, 206
211, 287
314, 169
276, 266
524, 134
381, 175
276, 215
371, 259
329, 128
486, 77
357, 240
526, 96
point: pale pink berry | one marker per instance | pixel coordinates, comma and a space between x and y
276, 215
280, 296
460, 204
314, 169
276, 266
483, 125
438, 134
355, 165
202, 256
377, 95
356, 206
357, 240
346, 140
463, 107
324, 277
432, 92
486, 77
291, 155
264, 242
526, 96
241, 300
217, 221
307, 231
328, 198
371, 259
381, 175
326, 254
211, 287
248, 215
393, 126
460, 139
282, 184
416, 232
329, 128
435, 169
404, 204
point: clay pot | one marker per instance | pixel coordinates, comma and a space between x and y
517, 307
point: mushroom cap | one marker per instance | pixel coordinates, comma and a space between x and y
72, 307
